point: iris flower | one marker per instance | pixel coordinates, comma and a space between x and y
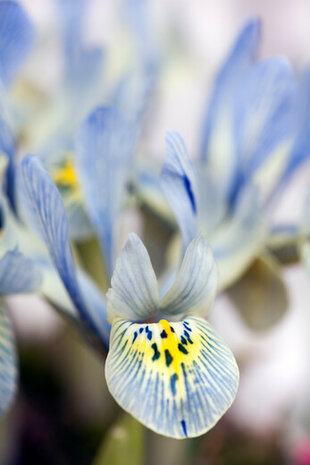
173, 373
247, 153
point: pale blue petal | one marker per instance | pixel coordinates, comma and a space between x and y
18, 274
16, 38
83, 63
241, 238
217, 131
8, 371
134, 292
264, 117
48, 210
179, 185
132, 95
195, 286
137, 11
242, 54
301, 148
94, 299
104, 151
178, 379
7, 146
213, 203
80, 226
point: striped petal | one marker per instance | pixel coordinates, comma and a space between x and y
265, 117
301, 148
178, 379
7, 147
16, 37
134, 293
8, 372
217, 131
179, 185
195, 286
241, 238
48, 212
18, 274
104, 146
83, 62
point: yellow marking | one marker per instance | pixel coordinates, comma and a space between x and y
170, 343
66, 175
166, 325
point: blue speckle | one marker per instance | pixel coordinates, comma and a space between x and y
188, 337
183, 340
135, 335
169, 357
186, 325
190, 194
156, 354
173, 381
149, 333
182, 349
141, 330
184, 427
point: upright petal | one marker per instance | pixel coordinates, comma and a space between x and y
18, 274
217, 136
195, 285
179, 185
95, 302
134, 294
83, 62
137, 11
178, 379
104, 150
48, 210
16, 37
8, 372
241, 238
264, 117
301, 148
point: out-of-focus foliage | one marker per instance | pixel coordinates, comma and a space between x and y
260, 294
124, 444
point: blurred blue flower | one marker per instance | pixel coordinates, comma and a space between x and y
248, 150
84, 83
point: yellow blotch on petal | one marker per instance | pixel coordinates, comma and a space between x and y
66, 175
66, 179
